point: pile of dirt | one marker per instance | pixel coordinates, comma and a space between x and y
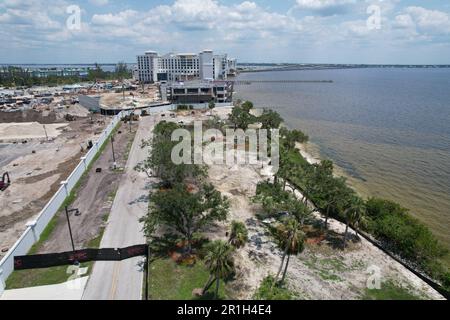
30, 116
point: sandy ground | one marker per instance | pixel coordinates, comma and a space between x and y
29, 130
135, 98
36, 168
323, 270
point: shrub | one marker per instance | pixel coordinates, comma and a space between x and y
182, 107
268, 291
404, 234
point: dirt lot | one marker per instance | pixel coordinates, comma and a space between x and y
94, 197
36, 169
136, 98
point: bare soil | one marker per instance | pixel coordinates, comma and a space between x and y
94, 197
36, 169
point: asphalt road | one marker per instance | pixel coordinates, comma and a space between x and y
123, 280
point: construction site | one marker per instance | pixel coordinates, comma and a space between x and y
44, 132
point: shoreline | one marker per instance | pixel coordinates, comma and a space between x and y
239, 183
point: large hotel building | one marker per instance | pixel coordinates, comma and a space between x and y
183, 67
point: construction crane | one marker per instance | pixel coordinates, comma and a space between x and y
5, 182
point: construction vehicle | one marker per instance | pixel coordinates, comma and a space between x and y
5, 182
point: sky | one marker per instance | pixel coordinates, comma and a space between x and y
299, 31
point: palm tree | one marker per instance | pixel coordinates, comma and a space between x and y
331, 196
298, 209
219, 262
238, 234
292, 239
353, 213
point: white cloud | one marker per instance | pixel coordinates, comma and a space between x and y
207, 15
314, 26
325, 7
429, 21
99, 3
121, 19
404, 21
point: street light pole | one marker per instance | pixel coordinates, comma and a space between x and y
112, 146
146, 269
70, 229
131, 118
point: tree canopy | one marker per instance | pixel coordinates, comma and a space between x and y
185, 212
159, 161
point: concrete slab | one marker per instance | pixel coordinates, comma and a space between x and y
70, 290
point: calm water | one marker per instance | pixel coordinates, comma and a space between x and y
387, 130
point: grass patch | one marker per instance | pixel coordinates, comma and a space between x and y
171, 281
37, 277
328, 268
52, 275
389, 291
268, 291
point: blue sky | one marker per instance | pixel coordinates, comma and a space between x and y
309, 31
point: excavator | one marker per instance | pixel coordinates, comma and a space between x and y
5, 182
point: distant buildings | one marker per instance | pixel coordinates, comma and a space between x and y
183, 67
46, 72
60, 72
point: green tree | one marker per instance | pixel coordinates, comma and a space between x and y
240, 118
185, 212
159, 161
211, 105
247, 106
291, 240
298, 210
238, 235
353, 213
96, 73
290, 137
220, 264
270, 119
121, 70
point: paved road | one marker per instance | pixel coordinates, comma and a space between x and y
124, 279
